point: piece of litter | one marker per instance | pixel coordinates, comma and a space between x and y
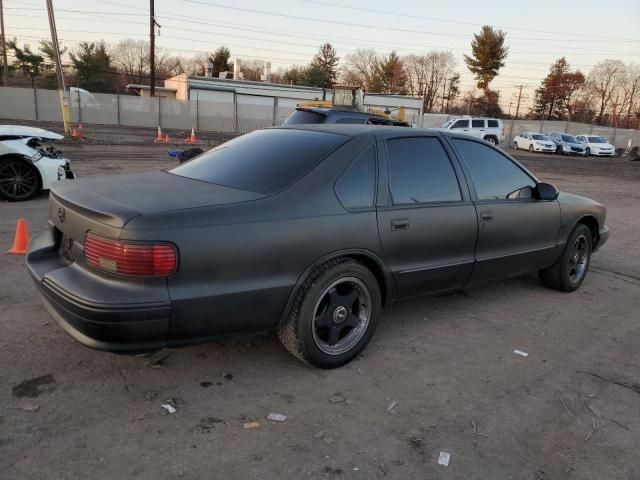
521, 353
158, 358
391, 406
227, 376
249, 425
348, 401
31, 408
277, 417
320, 434
328, 440
169, 408
336, 399
444, 459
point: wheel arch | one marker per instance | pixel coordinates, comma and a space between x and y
591, 222
365, 257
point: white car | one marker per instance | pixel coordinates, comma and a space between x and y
489, 129
29, 162
534, 142
597, 145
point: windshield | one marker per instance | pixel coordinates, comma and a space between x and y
264, 161
596, 140
446, 125
537, 136
569, 139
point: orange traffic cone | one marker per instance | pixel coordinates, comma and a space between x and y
166, 138
21, 238
159, 135
192, 137
76, 134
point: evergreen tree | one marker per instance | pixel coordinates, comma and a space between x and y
92, 64
220, 61
28, 62
488, 52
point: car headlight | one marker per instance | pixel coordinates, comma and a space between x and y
36, 156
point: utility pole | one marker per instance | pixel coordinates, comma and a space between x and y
519, 97
3, 42
152, 48
444, 94
64, 104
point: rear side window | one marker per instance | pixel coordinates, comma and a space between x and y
492, 123
264, 161
356, 187
420, 171
494, 175
351, 120
477, 123
300, 117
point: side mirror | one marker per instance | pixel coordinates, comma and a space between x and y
546, 191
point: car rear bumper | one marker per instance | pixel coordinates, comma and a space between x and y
101, 322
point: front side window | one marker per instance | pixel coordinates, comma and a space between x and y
420, 171
494, 176
264, 161
461, 124
356, 187
477, 123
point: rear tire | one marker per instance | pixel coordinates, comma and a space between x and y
334, 314
19, 180
568, 273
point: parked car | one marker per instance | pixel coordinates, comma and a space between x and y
596, 145
489, 129
308, 230
315, 115
29, 162
534, 142
567, 144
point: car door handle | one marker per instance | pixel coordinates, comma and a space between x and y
400, 224
486, 216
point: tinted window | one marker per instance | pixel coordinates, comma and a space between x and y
461, 124
303, 116
420, 171
537, 136
263, 161
354, 120
356, 187
492, 123
568, 138
596, 140
493, 174
477, 123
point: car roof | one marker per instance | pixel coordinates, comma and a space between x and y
351, 130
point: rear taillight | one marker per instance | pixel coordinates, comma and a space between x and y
136, 259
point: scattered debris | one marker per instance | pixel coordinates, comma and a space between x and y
390, 408
444, 458
328, 440
568, 411
348, 401
383, 468
169, 408
30, 408
319, 434
337, 398
206, 384
276, 417
149, 395
521, 353
416, 441
157, 359
593, 410
227, 376
634, 387
250, 425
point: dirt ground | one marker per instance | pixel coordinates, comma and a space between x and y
439, 376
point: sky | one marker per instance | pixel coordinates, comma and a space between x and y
288, 32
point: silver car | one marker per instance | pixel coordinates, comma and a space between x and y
567, 144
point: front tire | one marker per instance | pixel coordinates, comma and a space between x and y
530, 148
515, 145
588, 152
492, 140
568, 273
334, 314
19, 180
559, 150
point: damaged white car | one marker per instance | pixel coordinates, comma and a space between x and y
29, 162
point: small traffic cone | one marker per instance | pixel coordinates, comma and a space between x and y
159, 135
192, 137
76, 134
21, 238
166, 138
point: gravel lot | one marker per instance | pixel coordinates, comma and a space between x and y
439, 376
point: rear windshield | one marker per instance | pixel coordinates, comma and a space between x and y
264, 161
300, 117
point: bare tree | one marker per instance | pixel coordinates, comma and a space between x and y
360, 68
604, 80
427, 74
131, 57
252, 70
630, 91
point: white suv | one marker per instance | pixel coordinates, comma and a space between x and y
489, 129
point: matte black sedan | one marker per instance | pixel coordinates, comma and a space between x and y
308, 229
